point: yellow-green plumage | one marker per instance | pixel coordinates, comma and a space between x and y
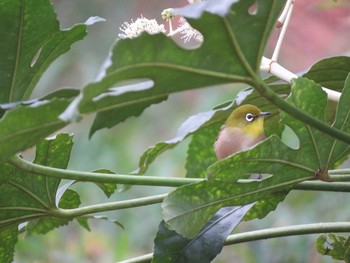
243, 129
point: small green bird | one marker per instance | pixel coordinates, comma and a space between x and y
243, 129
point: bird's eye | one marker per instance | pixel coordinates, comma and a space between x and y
249, 117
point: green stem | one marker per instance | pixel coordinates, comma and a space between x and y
297, 230
99, 177
305, 229
323, 186
70, 213
336, 175
144, 201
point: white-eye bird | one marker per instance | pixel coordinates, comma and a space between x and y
243, 129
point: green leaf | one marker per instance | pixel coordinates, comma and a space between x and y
84, 221
107, 188
285, 166
338, 247
200, 153
172, 247
33, 43
228, 54
24, 126
70, 199
330, 72
25, 196
8, 240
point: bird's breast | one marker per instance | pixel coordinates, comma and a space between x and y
232, 140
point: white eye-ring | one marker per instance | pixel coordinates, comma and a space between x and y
249, 117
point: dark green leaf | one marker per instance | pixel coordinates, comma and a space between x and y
8, 240
227, 55
338, 247
33, 43
25, 196
25, 126
171, 247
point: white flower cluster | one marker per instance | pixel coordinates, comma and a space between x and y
134, 29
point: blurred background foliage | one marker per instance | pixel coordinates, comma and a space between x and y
319, 28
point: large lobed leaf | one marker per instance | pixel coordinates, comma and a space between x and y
228, 54
30, 41
286, 166
25, 196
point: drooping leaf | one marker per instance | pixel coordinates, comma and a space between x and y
107, 188
33, 42
8, 240
170, 247
338, 247
227, 55
24, 126
317, 152
84, 221
25, 196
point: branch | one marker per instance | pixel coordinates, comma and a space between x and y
70, 213
99, 177
296, 230
342, 175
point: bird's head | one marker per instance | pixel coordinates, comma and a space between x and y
249, 118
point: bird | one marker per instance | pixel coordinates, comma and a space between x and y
242, 130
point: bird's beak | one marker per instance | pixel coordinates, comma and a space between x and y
264, 114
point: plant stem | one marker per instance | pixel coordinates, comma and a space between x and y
296, 230
336, 175
323, 186
70, 213
99, 177
286, 231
